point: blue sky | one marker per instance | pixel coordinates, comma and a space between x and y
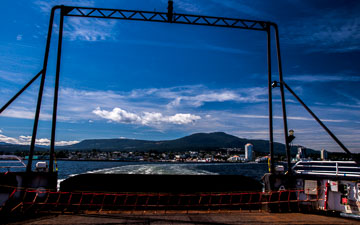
159, 81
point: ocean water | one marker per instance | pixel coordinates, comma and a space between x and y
71, 168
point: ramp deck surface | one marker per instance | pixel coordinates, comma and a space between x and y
189, 218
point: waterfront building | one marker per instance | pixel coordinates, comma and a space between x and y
236, 158
301, 153
249, 152
324, 154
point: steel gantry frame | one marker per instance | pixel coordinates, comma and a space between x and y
165, 17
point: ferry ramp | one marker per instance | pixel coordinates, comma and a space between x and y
188, 218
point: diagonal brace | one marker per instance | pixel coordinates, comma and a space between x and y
323, 125
20, 92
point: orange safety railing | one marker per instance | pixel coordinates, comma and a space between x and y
22, 200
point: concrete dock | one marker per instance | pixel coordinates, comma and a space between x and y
189, 218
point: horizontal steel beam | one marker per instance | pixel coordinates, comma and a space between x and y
123, 14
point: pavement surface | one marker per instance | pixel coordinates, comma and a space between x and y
189, 218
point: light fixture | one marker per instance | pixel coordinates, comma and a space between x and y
291, 136
274, 84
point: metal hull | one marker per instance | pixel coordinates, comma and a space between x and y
23, 180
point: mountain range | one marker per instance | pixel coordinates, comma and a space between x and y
6, 147
194, 142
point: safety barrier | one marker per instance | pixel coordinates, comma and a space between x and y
27, 200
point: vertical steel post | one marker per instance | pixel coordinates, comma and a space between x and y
271, 135
288, 153
56, 92
41, 89
170, 11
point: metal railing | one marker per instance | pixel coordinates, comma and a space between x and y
328, 168
35, 201
11, 161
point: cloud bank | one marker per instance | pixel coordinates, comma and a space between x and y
25, 140
147, 118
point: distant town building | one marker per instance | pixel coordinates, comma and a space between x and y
234, 158
324, 154
262, 159
301, 153
231, 151
237, 158
249, 152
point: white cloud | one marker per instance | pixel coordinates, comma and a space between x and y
24, 113
147, 118
323, 78
159, 107
312, 119
118, 115
9, 140
181, 118
335, 30
150, 100
150, 107
196, 96
25, 140
151, 118
186, 5
193, 46
46, 5
19, 37
288, 117
354, 102
64, 143
85, 29
244, 7
346, 105
77, 105
74, 105
89, 29
224, 49
175, 103
11, 76
199, 100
